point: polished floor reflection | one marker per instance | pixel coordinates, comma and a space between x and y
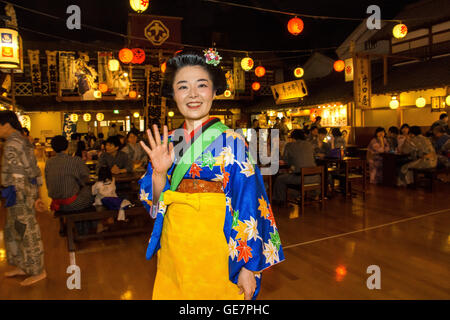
406, 233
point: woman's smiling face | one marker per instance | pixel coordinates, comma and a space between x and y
193, 92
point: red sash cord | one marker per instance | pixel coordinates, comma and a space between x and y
56, 203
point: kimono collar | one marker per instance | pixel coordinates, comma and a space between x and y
189, 137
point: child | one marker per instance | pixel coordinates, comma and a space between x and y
104, 187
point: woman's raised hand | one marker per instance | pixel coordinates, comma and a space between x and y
161, 154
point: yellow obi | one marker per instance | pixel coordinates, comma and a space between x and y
193, 259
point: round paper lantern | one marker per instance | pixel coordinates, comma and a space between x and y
421, 102
136, 115
138, 56
100, 116
394, 103
295, 26
171, 114
400, 31
447, 100
247, 63
97, 94
256, 86
74, 117
139, 5
103, 87
87, 117
227, 93
339, 65
126, 55
132, 94
10, 48
260, 71
164, 67
113, 65
299, 72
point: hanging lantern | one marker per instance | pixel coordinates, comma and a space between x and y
256, 86
125, 55
139, 5
394, 103
447, 100
164, 67
260, 71
87, 117
299, 72
10, 49
103, 87
421, 102
113, 65
339, 65
295, 26
247, 63
171, 114
399, 31
136, 115
227, 93
100, 116
97, 94
74, 117
138, 56
132, 94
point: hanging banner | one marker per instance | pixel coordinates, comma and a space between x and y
238, 75
153, 75
348, 70
67, 78
160, 32
362, 84
104, 75
52, 74
290, 91
35, 68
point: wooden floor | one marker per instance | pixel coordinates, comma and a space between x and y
404, 232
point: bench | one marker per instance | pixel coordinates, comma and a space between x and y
428, 175
68, 220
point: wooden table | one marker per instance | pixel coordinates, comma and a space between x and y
333, 165
391, 163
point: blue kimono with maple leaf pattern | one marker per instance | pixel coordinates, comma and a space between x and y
249, 226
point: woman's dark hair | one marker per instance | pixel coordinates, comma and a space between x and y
132, 132
405, 125
10, 117
415, 130
379, 129
393, 130
442, 116
298, 134
318, 118
174, 64
336, 132
323, 131
81, 146
104, 173
59, 143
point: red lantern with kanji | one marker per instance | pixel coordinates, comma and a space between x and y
339, 65
125, 55
256, 86
295, 26
103, 87
138, 56
260, 71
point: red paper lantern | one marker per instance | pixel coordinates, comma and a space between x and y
163, 67
295, 26
138, 56
339, 65
260, 72
256, 86
103, 87
125, 55
132, 94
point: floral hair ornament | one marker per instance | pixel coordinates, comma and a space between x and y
212, 57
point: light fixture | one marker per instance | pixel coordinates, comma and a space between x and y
256, 86
74, 117
100, 116
171, 114
447, 100
132, 94
87, 117
260, 71
125, 74
299, 72
163, 67
97, 94
339, 65
295, 26
103, 87
138, 56
227, 93
126, 55
139, 5
394, 104
116, 111
113, 65
136, 115
247, 63
10, 49
421, 102
399, 31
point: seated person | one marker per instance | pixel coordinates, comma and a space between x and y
423, 153
441, 143
313, 135
117, 161
135, 153
299, 154
321, 149
337, 141
392, 138
99, 141
378, 144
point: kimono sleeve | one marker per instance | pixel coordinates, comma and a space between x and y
146, 192
253, 239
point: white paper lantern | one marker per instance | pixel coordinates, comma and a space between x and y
100, 116
87, 117
113, 65
139, 5
74, 117
421, 102
394, 104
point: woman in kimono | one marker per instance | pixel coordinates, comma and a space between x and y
21, 179
377, 145
215, 231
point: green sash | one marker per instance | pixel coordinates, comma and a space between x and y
194, 151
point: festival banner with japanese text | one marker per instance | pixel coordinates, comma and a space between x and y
362, 84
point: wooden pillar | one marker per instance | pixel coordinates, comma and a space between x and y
385, 70
13, 91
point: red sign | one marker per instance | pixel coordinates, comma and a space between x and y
149, 31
